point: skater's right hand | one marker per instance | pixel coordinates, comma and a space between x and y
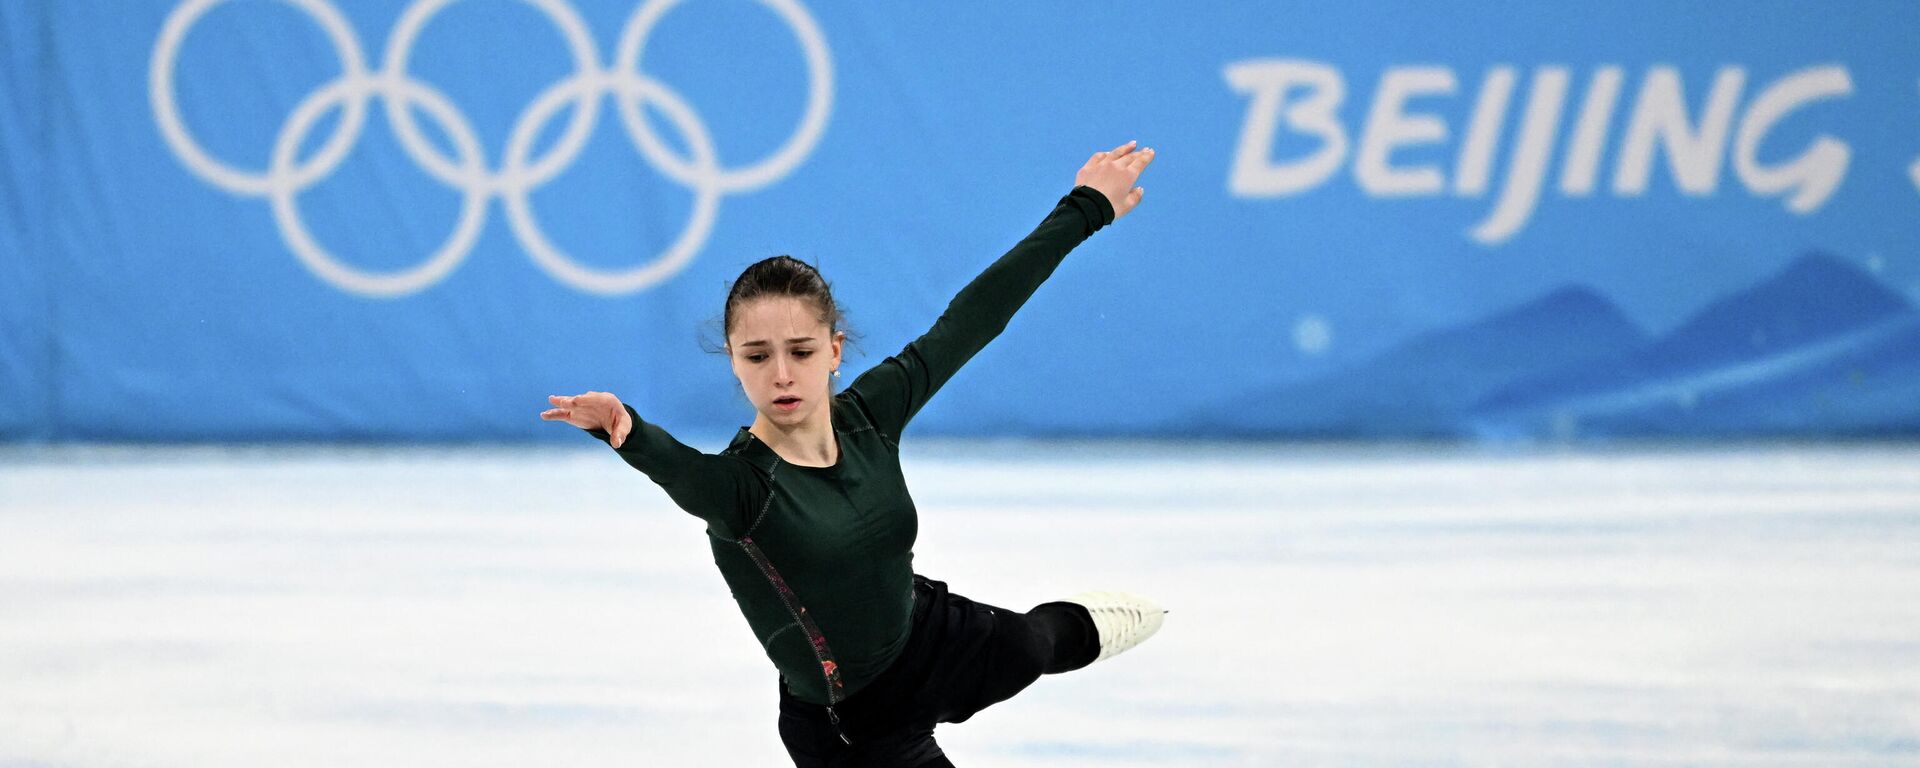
592, 410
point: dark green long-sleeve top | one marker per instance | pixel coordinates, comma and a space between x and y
841, 537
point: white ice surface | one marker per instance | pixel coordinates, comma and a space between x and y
457, 607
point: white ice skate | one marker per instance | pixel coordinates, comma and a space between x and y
1123, 620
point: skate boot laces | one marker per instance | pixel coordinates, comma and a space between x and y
1123, 620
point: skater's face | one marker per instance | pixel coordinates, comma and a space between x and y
784, 356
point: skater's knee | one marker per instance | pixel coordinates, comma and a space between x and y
1029, 648
1070, 638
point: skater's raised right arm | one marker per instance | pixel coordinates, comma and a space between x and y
893, 391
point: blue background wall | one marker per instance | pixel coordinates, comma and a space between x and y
1295, 270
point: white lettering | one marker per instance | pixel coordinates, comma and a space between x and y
1531, 157
1660, 113
1483, 134
1266, 82
1590, 134
1816, 172
1293, 138
1388, 126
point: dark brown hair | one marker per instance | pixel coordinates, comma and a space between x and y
783, 276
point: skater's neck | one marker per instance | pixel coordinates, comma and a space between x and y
809, 444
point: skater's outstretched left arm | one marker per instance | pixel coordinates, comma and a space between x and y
893, 391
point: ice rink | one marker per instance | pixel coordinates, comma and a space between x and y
207, 608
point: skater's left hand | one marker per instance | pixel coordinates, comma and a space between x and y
1113, 172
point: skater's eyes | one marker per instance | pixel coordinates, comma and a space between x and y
757, 357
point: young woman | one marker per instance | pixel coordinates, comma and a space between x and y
810, 522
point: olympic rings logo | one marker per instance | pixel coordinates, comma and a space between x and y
467, 172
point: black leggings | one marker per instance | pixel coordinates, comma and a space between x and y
961, 657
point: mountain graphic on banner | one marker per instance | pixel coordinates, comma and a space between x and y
1421, 386
1821, 344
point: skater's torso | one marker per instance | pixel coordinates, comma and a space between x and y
832, 547
842, 539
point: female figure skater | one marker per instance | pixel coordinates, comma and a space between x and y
810, 522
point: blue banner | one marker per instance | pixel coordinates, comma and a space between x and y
343, 220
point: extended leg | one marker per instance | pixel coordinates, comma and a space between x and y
1051, 638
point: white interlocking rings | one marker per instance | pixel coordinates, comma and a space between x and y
467, 171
